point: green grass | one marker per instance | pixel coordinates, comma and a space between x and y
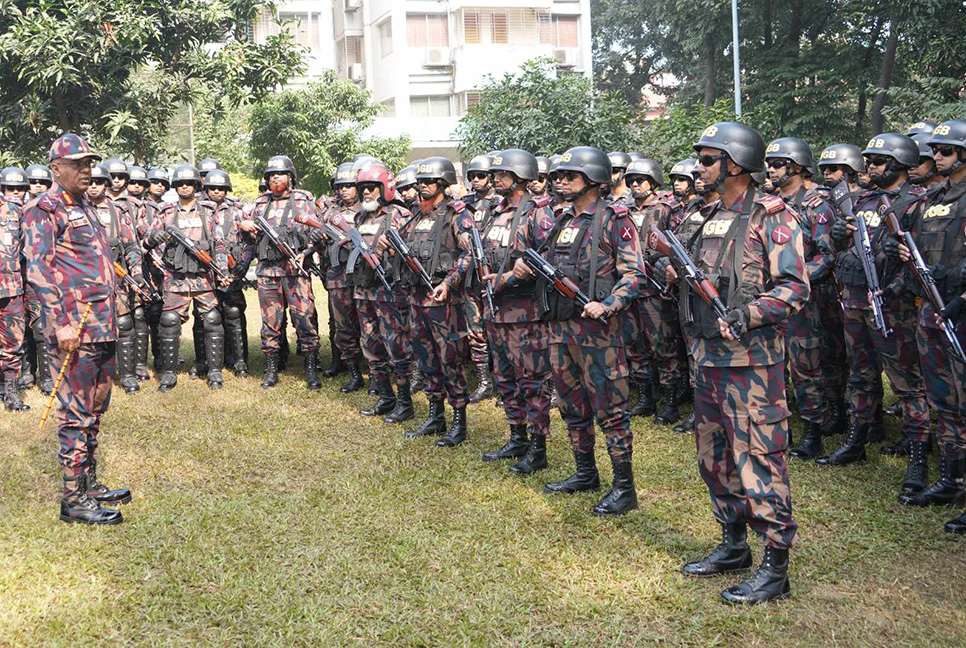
283, 518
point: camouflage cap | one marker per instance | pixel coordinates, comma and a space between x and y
71, 146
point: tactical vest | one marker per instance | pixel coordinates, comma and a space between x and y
426, 239
175, 255
942, 240
112, 229
362, 275
848, 265
232, 243
498, 244
268, 251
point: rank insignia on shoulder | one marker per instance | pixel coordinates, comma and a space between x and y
458, 205
772, 204
541, 201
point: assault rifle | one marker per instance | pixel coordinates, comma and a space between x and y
146, 294
201, 255
409, 257
268, 230
479, 260
361, 248
561, 282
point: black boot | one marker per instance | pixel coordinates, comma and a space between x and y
11, 397
141, 335
127, 356
956, 525
337, 365
669, 409
515, 448
686, 426
200, 369
585, 479
271, 371
403, 411
645, 405
900, 448
877, 431
102, 493
386, 402
312, 381
768, 583
622, 497
684, 391
434, 423
44, 380
169, 338
215, 356
838, 420
917, 472
78, 506
236, 341
731, 555
457, 430
371, 386
356, 381
416, 383
811, 445
948, 489
484, 387
536, 457
283, 348
852, 449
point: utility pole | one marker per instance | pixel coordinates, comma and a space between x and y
734, 37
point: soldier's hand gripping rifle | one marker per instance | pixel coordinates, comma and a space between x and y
268, 230
863, 249
408, 256
479, 260
202, 256
561, 282
361, 248
924, 275
142, 291
666, 243
658, 283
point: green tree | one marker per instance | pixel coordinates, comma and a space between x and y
319, 127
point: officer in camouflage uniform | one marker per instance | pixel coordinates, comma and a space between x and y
479, 201
741, 428
280, 284
618, 190
118, 224
158, 184
406, 187
439, 316
13, 184
788, 159
926, 173
189, 282
594, 243
517, 333
70, 266
889, 156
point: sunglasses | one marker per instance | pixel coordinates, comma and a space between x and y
945, 151
832, 168
178, 185
710, 160
877, 160
97, 182
42, 183
778, 163
427, 181
569, 176
542, 177
477, 175
140, 183
368, 186
636, 180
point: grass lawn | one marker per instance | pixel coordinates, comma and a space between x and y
284, 518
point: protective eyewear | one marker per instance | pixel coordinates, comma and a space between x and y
945, 151
569, 176
368, 186
710, 160
99, 182
877, 160
477, 175
778, 163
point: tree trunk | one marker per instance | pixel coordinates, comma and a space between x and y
866, 62
767, 19
796, 24
709, 71
885, 72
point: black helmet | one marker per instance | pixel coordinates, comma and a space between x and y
845, 154
759, 178
186, 173
262, 185
744, 145
636, 155
686, 168
790, 148
406, 177
208, 164
922, 139
520, 163
217, 179
554, 161
647, 168
137, 174
280, 164
345, 174
899, 147
99, 172
924, 127
543, 165
479, 163
950, 133
116, 167
619, 160
159, 174
436, 168
359, 158
592, 162
40, 173
14, 177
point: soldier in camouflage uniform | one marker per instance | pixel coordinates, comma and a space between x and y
13, 183
118, 224
153, 271
618, 189
750, 246
517, 333
137, 188
70, 266
888, 156
406, 187
926, 173
594, 243
280, 284
188, 281
541, 186
788, 159
479, 201
438, 316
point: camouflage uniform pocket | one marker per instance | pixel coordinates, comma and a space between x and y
768, 434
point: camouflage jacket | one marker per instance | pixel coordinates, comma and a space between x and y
334, 211
815, 215
280, 212
11, 247
200, 228
371, 226
441, 230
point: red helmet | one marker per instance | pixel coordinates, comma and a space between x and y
375, 171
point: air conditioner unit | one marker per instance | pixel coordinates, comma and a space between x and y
567, 57
357, 72
352, 5
437, 57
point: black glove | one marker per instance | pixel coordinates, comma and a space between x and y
891, 249
159, 237
315, 235
737, 319
660, 269
839, 231
954, 310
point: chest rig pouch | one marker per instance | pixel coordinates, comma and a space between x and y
500, 257
177, 257
360, 273
941, 242
427, 245
113, 231
268, 251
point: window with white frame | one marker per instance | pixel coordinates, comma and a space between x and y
430, 106
385, 37
427, 30
503, 26
559, 31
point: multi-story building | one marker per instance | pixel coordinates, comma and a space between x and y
425, 60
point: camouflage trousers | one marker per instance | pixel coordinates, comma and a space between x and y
521, 366
11, 335
945, 383
275, 294
180, 303
658, 339
385, 331
342, 307
33, 333
84, 395
741, 433
803, 353
479, 346
593, 381
870, 352
637, 345
439, 344
835, 361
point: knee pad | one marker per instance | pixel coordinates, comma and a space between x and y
212, 320
170, 319
140, 317
233, 313
125, 323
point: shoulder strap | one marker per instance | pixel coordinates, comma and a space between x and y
514, 225
741, 236
594, 245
